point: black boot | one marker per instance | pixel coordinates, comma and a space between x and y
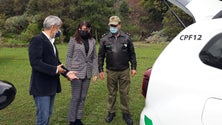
127, 118
110, 117
72, 123
78, 122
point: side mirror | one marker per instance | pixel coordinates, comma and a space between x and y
7, 93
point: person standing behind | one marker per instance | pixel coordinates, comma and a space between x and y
118, 49
81, 57
46, 68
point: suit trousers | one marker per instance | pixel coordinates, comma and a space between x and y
79, 92
118, 80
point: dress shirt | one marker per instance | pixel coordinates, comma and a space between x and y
52, 40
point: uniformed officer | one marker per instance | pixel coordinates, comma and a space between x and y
117, 47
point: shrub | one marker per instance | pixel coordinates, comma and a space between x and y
29, 32
16, 24
2, 20
157, 37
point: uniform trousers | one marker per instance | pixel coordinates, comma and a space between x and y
118, 80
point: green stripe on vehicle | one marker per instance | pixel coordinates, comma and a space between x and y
147, 120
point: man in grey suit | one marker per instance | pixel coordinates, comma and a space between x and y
46, 68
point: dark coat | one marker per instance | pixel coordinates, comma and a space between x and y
44, 80
118, 51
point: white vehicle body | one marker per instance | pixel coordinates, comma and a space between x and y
185, 87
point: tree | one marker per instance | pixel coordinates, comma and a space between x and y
154, 14
6, 7
94, 11
171, 26
19, 6
72, 12
124, 10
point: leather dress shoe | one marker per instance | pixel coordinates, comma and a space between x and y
127, 118
110, 117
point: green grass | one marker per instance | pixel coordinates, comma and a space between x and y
15, 68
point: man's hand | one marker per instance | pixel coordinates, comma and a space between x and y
71, 75
101, 75
60, 69
133, 72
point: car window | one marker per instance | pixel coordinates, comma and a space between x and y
211, 54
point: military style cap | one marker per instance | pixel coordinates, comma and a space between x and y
114, 20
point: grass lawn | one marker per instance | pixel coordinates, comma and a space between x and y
15, 68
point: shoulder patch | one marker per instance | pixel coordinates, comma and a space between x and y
128, 34
104, 34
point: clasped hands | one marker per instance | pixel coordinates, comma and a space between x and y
70, 74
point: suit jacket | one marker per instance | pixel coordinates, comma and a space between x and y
77, 60
44, 80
